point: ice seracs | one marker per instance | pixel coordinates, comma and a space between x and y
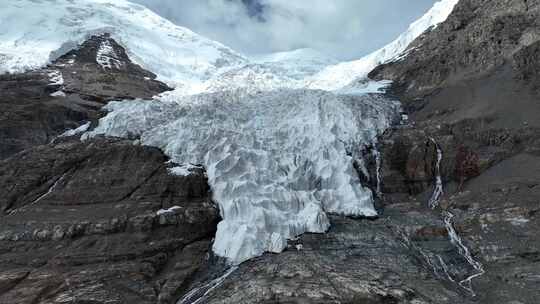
277, 161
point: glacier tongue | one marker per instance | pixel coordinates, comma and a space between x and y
277, 161
279, 151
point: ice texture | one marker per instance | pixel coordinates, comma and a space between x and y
277, 161
183, 170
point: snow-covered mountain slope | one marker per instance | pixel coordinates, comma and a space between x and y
299, 64
278, 134
340, 75
35, 32
307, 68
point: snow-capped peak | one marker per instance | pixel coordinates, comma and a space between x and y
36, 32
342, 74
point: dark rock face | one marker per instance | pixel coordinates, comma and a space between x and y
358, 261
79, 223
478, 37
471, 85
39, 105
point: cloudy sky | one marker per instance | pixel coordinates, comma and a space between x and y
345, 29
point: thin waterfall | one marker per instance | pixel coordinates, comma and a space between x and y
438, 191
455, 239
377, 156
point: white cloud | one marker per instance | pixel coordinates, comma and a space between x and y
342, 28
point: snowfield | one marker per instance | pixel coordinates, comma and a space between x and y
277, 134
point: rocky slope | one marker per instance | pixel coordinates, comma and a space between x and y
472, 86
79, 221
41, 104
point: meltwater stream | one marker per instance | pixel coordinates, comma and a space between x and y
438, 191
455, 239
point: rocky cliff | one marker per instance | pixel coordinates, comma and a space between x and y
41, 104
99, 221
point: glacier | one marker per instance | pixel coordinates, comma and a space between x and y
278, 134
277, 161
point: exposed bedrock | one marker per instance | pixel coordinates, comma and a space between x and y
472, 86
79, 221
39, 105
79, 224
477, 39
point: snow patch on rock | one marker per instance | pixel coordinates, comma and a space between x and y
56, 78
58, 94
171, 210
83, 128
106, 56
184, 170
